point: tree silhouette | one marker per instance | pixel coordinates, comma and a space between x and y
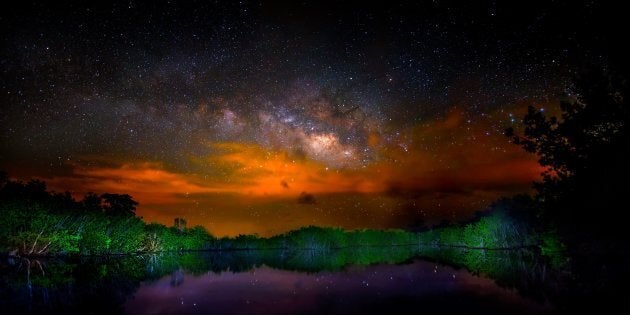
585, 152
92, 202
119, 205
180, 224
4, 179
63, 202
36, 190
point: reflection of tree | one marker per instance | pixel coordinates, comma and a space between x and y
177, 277
525, 270
102, 285
27, 264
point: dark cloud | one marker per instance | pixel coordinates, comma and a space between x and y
306, 198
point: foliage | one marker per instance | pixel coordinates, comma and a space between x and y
585, 151
494, 229
35, 222
119, 205
27, 229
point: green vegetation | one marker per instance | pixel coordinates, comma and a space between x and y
30, 229
81, 236
35, 222
494, 229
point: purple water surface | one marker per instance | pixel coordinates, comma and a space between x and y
420, 287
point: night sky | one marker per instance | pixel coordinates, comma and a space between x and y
225, 112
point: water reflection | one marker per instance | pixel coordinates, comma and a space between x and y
419, 286
366, 280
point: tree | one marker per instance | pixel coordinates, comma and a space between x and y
63, 202
119, 205
4, 179
36, 190
585, 152
92, 202
180, 224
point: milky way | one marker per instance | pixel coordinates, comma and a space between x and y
387, 114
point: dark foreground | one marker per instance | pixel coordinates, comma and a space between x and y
382, 280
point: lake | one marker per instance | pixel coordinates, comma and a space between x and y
349, 281
419, 285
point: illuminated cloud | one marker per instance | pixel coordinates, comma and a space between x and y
448, 165
258, 171
454, 153
147, 182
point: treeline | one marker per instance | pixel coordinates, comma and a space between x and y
504, 225
35, 222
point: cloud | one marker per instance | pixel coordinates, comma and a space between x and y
455, 154
446, 166
447, 155
147, 182
254, 170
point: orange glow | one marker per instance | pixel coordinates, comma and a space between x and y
454, 154
257, 171
147, 182
240, 187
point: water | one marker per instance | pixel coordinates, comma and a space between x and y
420, 285
351, 281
